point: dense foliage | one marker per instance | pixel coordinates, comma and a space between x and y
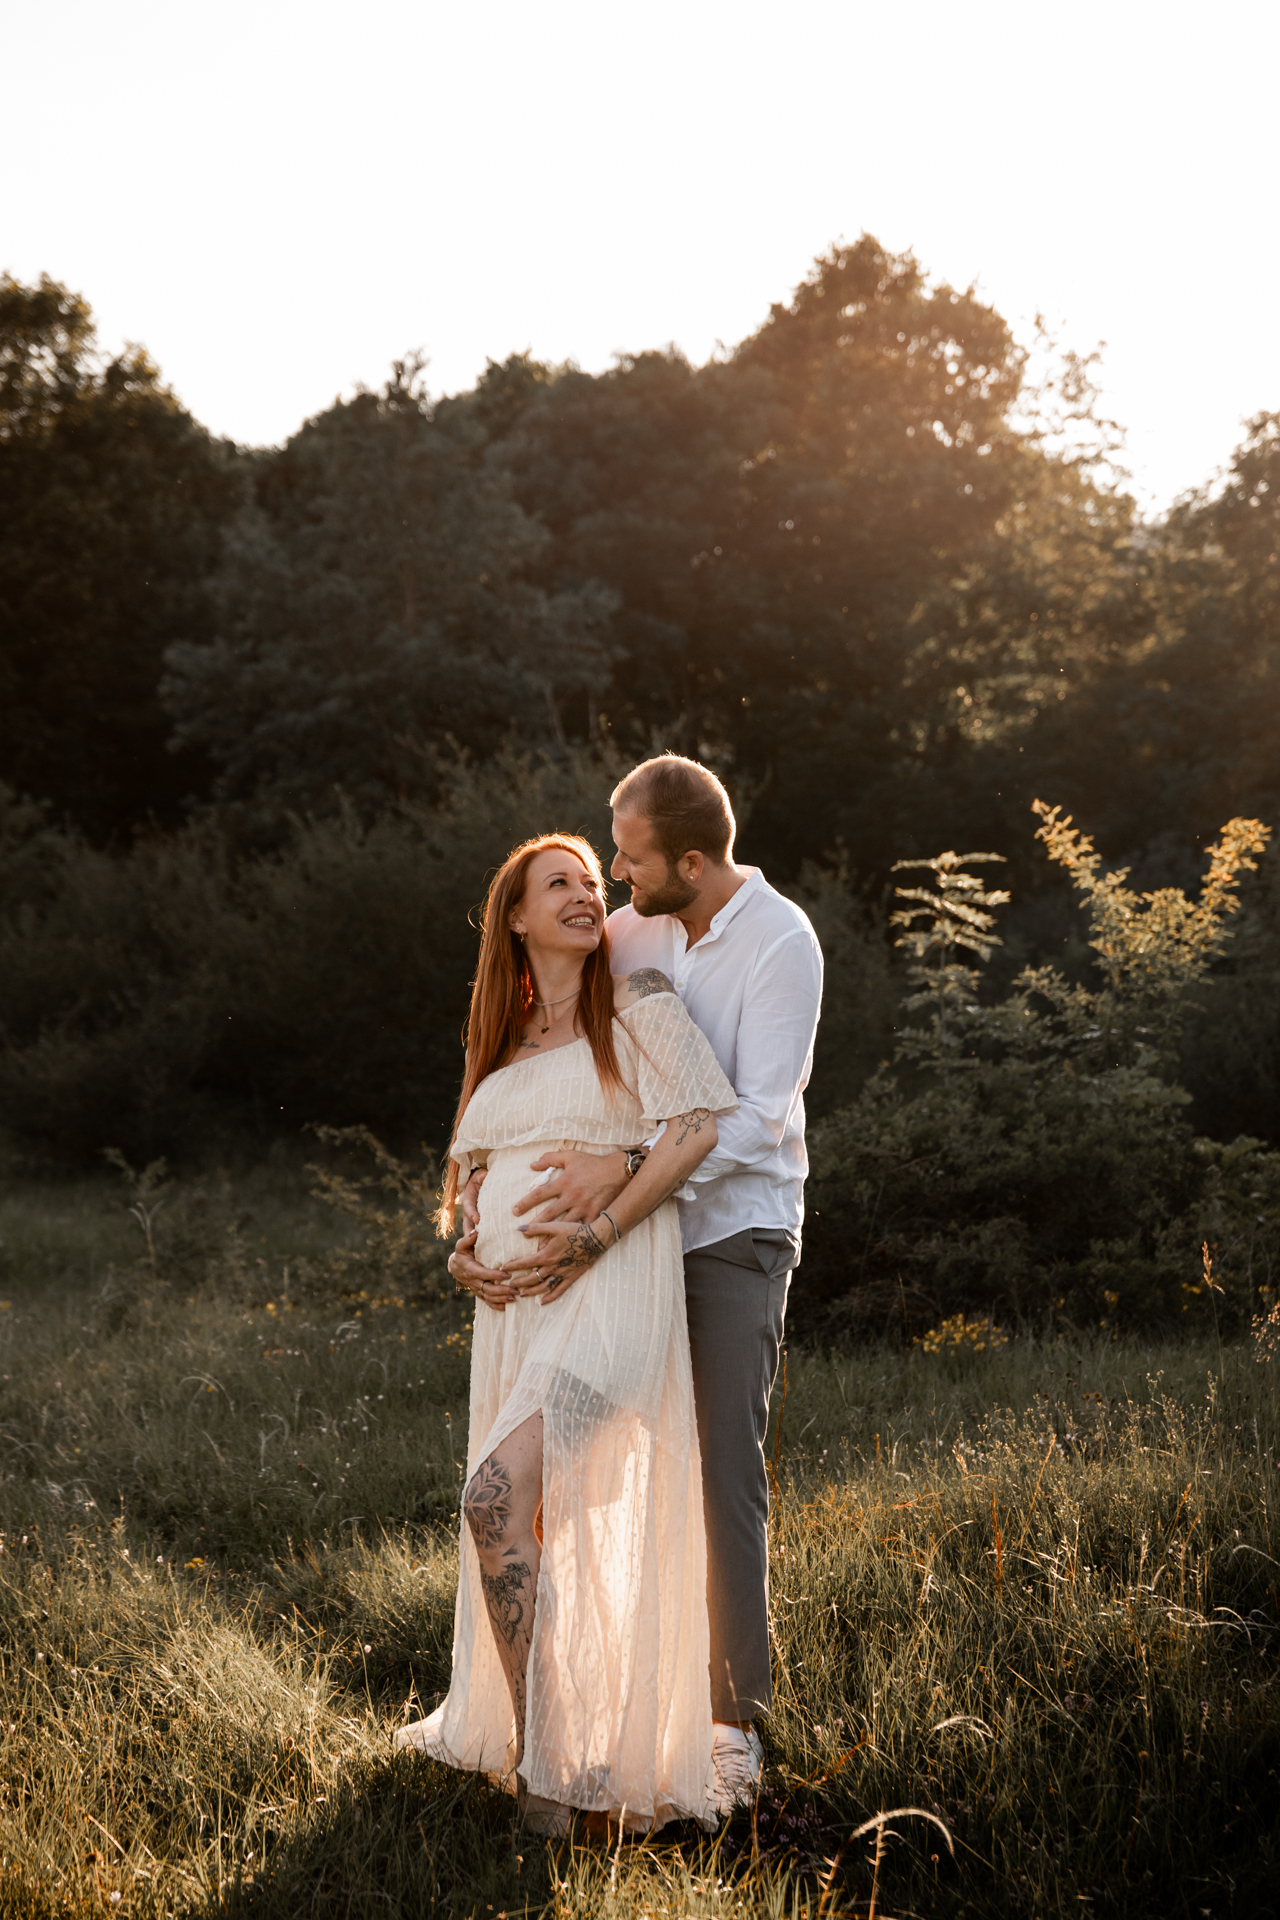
375, 595
268, 716
112, 501
175, 997
857, 559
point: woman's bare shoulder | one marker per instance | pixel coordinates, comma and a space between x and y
628, 988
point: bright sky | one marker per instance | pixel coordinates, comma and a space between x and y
278, 196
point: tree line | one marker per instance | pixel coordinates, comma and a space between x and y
888, 588
850, 559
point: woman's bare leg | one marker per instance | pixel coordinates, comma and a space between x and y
502, 1506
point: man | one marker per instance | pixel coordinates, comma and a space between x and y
748, 966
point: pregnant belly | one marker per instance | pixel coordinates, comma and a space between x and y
509, 1179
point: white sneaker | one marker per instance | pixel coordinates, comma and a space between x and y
736, 1759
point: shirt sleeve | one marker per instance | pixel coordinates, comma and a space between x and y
676, 1070
774, 1055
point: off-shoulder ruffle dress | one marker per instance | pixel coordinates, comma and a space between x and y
619, 1706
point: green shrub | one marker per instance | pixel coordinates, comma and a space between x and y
1230, 1050
111, 985
1034, 1155
179, 997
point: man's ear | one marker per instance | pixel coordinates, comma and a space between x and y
693, 863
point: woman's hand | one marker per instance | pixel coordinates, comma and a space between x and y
487, 1283
469, 1198
565, 1254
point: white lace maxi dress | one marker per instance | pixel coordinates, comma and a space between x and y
619, 1708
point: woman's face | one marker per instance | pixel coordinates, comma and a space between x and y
562, 911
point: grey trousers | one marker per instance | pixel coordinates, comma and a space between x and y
736, 1292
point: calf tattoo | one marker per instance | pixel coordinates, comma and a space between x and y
507, 1595
510, 1598
487, 1503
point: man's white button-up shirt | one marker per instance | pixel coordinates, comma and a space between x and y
753, 983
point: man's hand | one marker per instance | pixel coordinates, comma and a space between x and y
563, 1257
489, 1284
581, 1184
469, 1198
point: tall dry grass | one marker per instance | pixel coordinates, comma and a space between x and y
1030, 1591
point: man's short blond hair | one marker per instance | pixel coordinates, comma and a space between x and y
684, 803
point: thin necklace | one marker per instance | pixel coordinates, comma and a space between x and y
555, 1003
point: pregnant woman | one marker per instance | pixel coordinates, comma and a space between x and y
580, 1638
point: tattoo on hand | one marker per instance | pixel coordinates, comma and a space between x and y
584, 1247
647, 980
692, 1122
487, 1502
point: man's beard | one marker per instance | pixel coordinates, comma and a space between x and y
672, 897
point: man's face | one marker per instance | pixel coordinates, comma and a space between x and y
656, 885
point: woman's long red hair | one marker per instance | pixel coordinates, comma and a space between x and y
502, 994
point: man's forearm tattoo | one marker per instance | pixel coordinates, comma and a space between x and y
509, 1596
647, 980
691, 1123
487, 1502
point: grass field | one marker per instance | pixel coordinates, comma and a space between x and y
1030, 1591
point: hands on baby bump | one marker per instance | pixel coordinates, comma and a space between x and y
570, 1189
567, 1186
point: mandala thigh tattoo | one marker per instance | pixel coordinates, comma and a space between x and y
487, 1503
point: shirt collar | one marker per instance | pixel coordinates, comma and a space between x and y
751, 885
